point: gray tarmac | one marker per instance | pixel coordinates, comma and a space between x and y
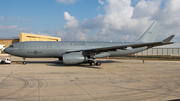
47, 79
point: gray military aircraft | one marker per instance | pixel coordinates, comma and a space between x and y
79, 52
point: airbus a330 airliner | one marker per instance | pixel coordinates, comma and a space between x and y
79, 52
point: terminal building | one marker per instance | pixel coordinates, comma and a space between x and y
25, 37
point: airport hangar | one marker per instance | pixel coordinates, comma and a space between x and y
26, 37
175, 51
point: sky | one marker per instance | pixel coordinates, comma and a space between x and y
90, 20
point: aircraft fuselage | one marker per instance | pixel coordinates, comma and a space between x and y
57, 49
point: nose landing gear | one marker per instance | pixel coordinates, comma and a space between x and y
24, 62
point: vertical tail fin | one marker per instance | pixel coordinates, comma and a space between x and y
150, 34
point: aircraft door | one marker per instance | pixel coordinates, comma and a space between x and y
21, 46
49, 46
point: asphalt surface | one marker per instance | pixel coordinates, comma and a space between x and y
115, 80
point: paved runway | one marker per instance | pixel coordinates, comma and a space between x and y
114, 80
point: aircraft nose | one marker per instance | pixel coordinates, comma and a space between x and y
5, 50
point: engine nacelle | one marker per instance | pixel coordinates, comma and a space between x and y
73, 58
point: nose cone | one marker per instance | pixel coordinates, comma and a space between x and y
6, 50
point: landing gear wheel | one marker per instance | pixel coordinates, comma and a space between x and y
92, 63
24, 62
98, 63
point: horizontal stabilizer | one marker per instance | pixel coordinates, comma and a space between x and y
168, 39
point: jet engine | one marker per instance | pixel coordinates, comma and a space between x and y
73, 58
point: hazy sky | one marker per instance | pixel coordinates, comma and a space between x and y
89, 20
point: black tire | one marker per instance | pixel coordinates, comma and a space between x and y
24, 62
98, 64
92, 63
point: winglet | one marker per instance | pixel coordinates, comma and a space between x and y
168, 39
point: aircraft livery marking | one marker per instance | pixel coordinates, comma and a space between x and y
35, 52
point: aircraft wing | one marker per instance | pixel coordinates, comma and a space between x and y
114, 48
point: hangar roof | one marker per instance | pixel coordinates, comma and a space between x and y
9, 38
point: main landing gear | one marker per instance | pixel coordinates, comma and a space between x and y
24, 62
94, 62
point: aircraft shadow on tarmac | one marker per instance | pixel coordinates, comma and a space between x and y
174, 100
86, 65
60, 63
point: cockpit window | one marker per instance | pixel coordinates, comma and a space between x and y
11, 46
